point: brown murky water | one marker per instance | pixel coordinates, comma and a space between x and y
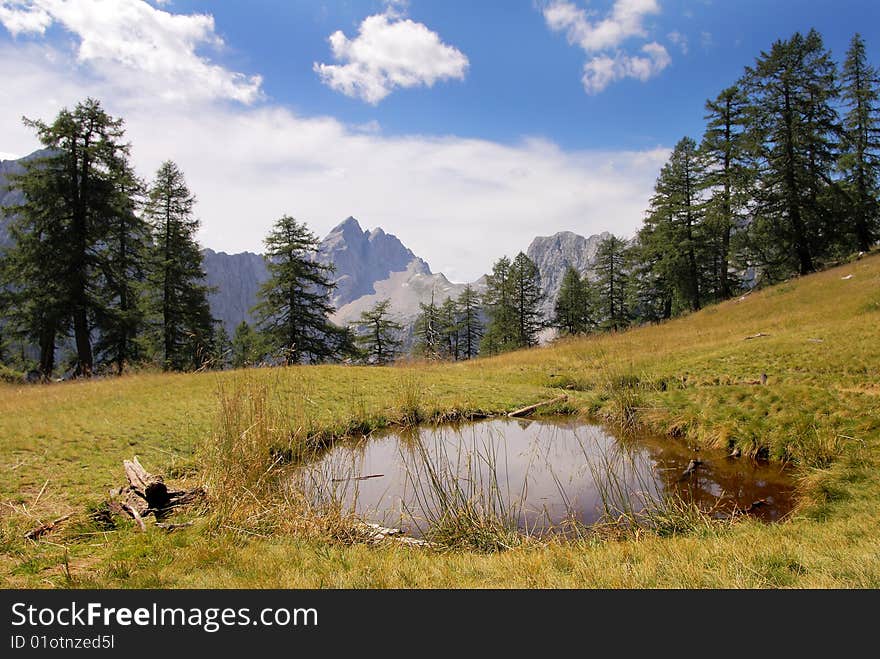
543, 472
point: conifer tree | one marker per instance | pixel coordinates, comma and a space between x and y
572, 314
378, 335
675, 233
498, 300
471, 326
292, 314
428, 331
179, 298
122, 317
612, 282
790, 91
450, 330
528, 296
727, 178
245, 346
61, 231
860, 161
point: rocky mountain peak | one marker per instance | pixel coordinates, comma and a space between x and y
362, 258
554, 254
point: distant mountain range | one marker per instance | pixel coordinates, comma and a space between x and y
369, 266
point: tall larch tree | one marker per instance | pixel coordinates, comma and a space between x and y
62, 228
294, 303
860, 161
471, 324
727, 180
611, 283
790, 91
378, 334
180, 298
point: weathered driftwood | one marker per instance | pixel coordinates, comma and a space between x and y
147, 494
131, 510
525, 411
376, 533
42, 529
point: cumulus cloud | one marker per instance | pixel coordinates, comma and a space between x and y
601, 71
603, 40
389, 51
138, 45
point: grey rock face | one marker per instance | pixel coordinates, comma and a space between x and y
554, 254
236, 279
362, 258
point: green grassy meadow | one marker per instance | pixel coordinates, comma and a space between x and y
695, 378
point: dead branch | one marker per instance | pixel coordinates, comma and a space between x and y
35, 533
525, 411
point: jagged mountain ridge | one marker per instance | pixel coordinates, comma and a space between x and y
361, 258
369, 266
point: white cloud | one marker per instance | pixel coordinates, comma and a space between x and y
22, 17
389, 52
137, 45
601, 71
459, 203
680, 40
603, 40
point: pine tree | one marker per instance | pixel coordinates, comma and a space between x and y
245, 346
649, 293
528, 296
180, 299
498, 300
220, 355
122, 317
62, 230
611, 283
450, 330
428, 331
292, 314
791, 90
572, 314
378, 335
471, 325
727, 178
675, 235
860, 161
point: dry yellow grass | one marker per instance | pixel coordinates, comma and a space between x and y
691, 377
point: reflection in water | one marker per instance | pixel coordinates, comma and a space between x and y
541, 473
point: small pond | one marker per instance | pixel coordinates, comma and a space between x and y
541, 473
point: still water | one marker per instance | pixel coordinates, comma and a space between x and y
542, 473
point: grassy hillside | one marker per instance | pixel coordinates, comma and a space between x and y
61, 448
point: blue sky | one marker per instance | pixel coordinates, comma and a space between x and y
495, 120
524, 79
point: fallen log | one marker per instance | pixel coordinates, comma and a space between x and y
525, 411
147, 494
42, 529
